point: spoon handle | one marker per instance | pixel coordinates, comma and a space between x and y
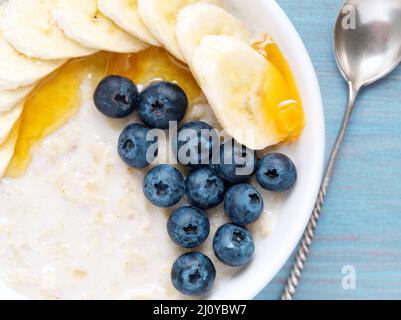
303, 250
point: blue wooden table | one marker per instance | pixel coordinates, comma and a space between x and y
359, 236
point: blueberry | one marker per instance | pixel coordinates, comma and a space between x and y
116, 97
134, 148
276, 173
204, 188
161, 103
237, 163
164, 186
233, 245
243, 204
188, 227
193, 274
196, 142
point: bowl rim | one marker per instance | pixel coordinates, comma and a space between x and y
293, 241
308, 73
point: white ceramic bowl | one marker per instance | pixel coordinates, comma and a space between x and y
292, 216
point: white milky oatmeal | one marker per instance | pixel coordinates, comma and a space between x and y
77, 225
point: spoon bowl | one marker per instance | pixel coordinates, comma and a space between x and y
367, 39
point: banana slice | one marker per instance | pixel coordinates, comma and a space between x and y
9, 98
29, 27
17, 70
82, 21
201, 19
160, 18
237, 82
125, 14
8, 120
7, 149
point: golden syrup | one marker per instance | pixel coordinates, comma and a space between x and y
57, 98
51, 105
287, 113
152, 64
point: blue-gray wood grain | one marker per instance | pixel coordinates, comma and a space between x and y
361, 221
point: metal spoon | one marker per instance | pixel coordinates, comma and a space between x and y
367, 39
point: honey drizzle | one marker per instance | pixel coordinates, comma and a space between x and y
291, 109
57, 98
152, 64
54, 101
